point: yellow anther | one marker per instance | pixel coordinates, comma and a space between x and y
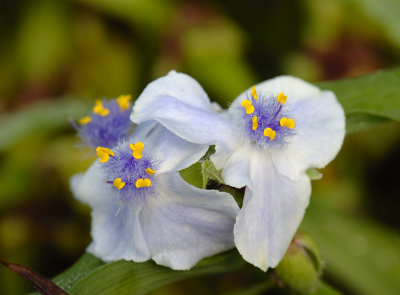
143, 182
123, 101
268, 132
248, 107
255, 123
118, 183
104, 153
254, 93
85, 120
137, 149
289, 123
150, 171
99, 109
281, 98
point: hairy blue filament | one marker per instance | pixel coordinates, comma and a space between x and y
269, 113
124, 166
106, 131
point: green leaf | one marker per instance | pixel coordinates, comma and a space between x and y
80, 269
126, 277
367, 258
38, 118
368, 100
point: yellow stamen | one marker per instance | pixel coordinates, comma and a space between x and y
289, 123
123, 101
268, 132
281, 98
150, 171
255, 123
104, 153
85, 120
118, 183
137, 149
248, 107
100, 110
254, 93
143, 182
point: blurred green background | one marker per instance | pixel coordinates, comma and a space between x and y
57, 57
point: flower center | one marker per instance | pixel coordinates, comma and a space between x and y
265, 121
128, 170
108, 123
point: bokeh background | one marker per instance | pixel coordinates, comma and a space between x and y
57, 57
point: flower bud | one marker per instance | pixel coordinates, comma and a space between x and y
301, 266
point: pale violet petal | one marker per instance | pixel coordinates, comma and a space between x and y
319, 134
184, 224
271, 213
170, 151
294, 88
116, 232
182, 87
179, 103
236, 170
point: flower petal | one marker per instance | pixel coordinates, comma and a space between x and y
236, 170
271, 213
320, 130
172, 152
184, 224
179, 103
116, 232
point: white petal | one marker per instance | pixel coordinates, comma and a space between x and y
184, 224
236, 170
320, 130
116, 234
295, 89
179, 103
271, 213
172, 152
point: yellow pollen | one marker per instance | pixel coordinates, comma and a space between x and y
254, 93
255, 124
150, 171
289, 123
268, 132
104, 153
143, 182
248, 107
281, 98
123, 101
118, 183
137, 149
85, 120
100, 110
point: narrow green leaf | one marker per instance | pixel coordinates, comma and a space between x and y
368, 100
38, 118
360, 253
126, 277
80, 269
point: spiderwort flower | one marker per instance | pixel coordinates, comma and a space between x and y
269, 137
108, 123
142, 208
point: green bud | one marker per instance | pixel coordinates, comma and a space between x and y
301, 266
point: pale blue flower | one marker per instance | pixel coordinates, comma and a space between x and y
142, 209
266, 141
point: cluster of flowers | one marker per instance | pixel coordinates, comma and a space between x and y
141, 207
